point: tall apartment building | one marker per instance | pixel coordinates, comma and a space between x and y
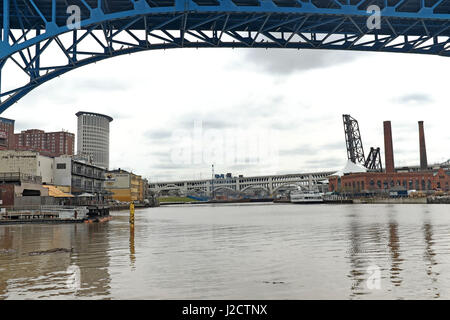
51, 144
6, 134
93, 137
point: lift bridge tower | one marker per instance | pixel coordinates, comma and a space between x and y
355, 149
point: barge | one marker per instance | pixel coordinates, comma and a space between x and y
56, 214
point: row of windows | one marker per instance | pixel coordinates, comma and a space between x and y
94, 120
379, 184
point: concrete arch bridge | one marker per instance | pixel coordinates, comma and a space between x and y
272, 184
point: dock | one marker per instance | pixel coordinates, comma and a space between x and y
55, 214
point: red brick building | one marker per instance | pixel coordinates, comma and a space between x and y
6, 134
383, 182
426, 179
51, 144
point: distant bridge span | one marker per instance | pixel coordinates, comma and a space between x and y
31, 30
239, 184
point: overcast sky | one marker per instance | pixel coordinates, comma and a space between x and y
249, 111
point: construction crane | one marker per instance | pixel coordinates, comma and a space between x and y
355, 149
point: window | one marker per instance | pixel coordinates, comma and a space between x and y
60, 166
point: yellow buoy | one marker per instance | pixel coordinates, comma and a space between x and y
132, 213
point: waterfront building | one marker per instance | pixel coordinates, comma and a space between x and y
76, 176
383, 182
27, 162
422, 178
6, 134
93, 136
434, 178
21, 190
125, 186
51, 144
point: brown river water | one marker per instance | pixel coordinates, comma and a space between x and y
235, 251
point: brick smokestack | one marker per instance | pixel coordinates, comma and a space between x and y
388, 147
423, 149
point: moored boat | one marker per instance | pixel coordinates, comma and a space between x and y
300, 196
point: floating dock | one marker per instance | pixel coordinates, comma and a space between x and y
56, 214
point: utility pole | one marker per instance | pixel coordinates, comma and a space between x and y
212, 184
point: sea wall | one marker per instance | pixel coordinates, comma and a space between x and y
392, 200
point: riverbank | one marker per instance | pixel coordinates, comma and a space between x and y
162, 203
95, 219
390, 200
430, 200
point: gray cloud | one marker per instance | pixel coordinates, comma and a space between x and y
208, 121
333, 146
326, 163
99, 85
21, 125
158, 134
279, 61
300, 150
414, 98
311, 150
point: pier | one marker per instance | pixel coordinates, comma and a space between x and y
54, 214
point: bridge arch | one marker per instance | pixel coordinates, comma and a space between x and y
289, 186
128, 26
225, 188
169, 187
255, 186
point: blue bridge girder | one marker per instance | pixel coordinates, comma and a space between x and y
108, 28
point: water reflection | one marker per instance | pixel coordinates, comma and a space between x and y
394, 247
31, 266
430, 257
132, 251
240, 252
357, 272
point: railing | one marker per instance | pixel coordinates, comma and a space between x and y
29, 212
17, 176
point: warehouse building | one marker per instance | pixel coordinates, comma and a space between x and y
426, 178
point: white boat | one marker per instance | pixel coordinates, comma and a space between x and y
300, 196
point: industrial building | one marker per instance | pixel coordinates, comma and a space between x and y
93, 137
425, 178
77, 176
69, 173
125, 186
27, 162
21, 190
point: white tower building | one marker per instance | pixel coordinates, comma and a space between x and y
93, 137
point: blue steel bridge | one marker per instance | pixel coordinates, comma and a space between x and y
37, 40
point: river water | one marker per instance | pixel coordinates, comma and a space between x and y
229, 251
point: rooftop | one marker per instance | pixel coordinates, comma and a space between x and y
80, 113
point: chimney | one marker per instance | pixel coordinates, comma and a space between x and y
388, 148
423, 149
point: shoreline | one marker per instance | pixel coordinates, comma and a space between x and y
94, 219
347, 201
